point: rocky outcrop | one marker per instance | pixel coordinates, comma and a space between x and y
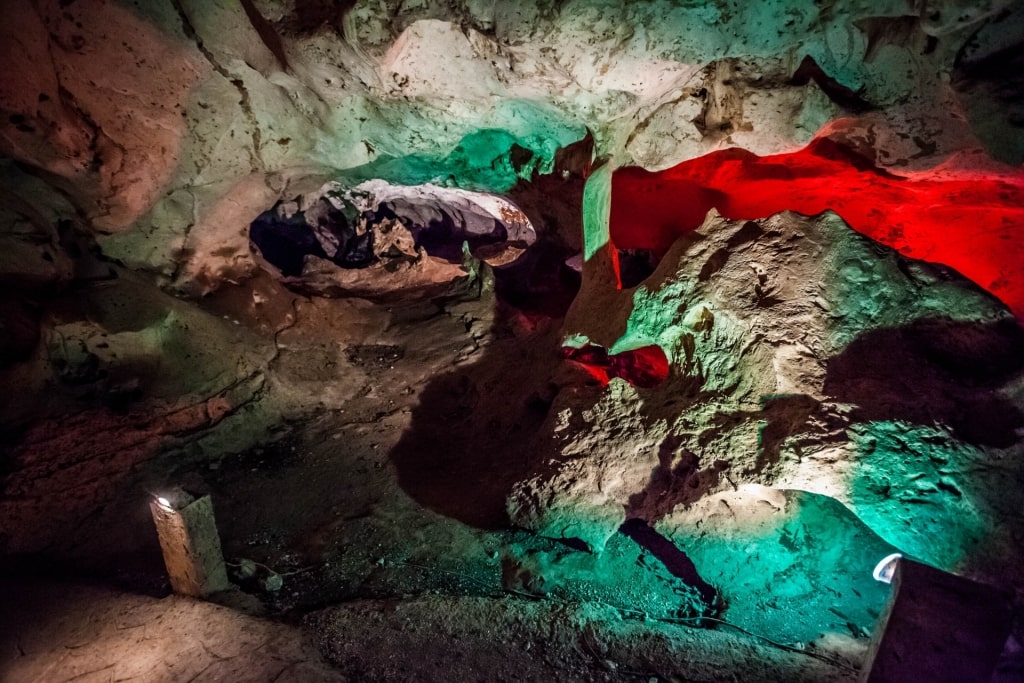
218, 218
171, 128
803, 357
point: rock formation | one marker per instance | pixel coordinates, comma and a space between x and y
688, 311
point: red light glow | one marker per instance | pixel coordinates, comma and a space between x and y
968, 219
644, 367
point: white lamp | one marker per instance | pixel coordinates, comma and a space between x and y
885, 569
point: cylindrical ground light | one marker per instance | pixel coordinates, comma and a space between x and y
190, 543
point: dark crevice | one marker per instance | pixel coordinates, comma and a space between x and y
255, 156
285, 240
674, 559
635, 266
309, 16
539, 281
845, 97
1003, 66
190, 31
714, 264
266, 33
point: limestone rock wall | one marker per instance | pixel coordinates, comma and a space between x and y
165, 127
814, 374
804, 357
809, 364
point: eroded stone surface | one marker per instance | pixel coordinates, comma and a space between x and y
777, 382
824, 394
177, 123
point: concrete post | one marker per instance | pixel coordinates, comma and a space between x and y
190, 544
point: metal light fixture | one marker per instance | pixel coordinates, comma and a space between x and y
886, 568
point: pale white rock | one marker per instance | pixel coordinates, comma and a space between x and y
473, 212
435, 59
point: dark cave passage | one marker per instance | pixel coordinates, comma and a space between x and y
401, 225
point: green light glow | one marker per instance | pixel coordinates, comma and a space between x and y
775, 553
597, 205
690, 329
515, 140
655, 319
488, 160
909, 487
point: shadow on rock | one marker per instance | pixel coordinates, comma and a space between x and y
469, 441
668, 553
471, 438
934, 371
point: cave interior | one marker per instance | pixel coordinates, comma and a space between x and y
549, 340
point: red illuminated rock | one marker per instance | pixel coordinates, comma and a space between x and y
644, 367
968, 219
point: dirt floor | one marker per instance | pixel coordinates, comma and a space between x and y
57, 631
360, 497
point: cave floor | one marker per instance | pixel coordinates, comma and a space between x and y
74, 631
369, 474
